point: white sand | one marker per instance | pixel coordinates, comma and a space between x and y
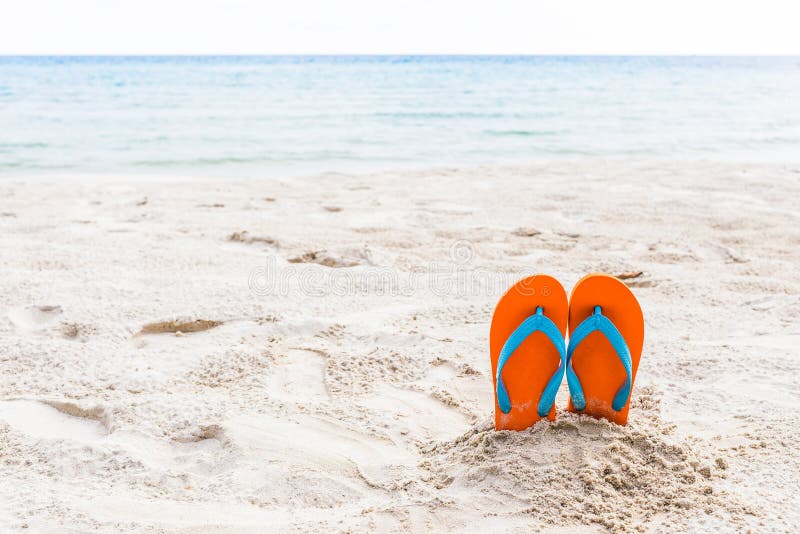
338, 403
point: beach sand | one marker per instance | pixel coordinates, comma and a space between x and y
312, 354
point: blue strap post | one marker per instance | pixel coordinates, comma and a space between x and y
597, 322
535, 323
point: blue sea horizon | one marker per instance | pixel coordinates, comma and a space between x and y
275, 115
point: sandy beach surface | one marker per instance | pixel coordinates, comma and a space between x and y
312, 354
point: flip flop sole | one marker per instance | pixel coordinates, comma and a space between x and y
536, 360
594, 360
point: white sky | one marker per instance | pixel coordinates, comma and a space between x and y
401, 27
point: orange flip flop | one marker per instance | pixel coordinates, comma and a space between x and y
529, 322
605, 344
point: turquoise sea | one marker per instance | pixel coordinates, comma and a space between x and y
243, 116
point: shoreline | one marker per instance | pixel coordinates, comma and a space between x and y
173, 392
236, 174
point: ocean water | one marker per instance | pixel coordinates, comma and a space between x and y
252, 116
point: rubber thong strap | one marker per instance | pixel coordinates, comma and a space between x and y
597, 322
535, 323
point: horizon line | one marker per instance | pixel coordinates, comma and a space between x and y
426, 54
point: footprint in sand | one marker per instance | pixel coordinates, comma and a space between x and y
347, 258
305, 450
55, 420
34, 317
300, 377
200, 453
635, 279
78, 331
178, 326
420, 414
245, 237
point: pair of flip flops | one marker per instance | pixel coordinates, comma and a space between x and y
530, 356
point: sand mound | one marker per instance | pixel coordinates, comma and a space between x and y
591, 471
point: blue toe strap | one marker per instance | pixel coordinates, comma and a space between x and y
535, 323
597, 322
